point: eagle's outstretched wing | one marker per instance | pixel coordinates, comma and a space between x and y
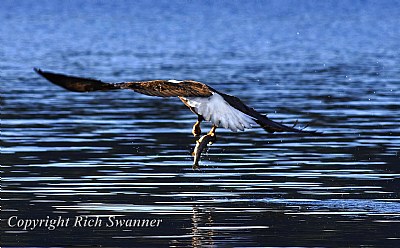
162, 88
262, 120
76, 84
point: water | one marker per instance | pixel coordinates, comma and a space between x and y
334, 63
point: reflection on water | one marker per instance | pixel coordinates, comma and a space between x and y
123, 154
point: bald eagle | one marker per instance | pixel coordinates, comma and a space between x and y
222, 110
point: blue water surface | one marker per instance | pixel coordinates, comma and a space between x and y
334, 64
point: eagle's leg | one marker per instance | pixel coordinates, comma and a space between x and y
196, 131
212, 133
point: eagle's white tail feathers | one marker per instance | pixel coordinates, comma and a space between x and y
220, 113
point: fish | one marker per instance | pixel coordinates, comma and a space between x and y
200, 145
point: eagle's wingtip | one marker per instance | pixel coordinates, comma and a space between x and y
37, 70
